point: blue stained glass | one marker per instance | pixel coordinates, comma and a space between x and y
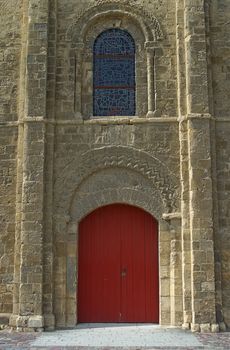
114, 73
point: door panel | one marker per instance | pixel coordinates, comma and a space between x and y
99, 275
118, 266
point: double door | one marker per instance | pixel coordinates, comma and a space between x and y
118, 266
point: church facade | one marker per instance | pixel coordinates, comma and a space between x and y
114, 175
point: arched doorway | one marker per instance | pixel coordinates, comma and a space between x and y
118, 266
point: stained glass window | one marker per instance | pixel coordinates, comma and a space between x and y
114, 74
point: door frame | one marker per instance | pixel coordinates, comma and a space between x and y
151, 232
170, 282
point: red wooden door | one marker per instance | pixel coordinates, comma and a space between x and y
118, 266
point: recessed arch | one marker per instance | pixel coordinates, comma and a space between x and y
100, 189
81, 34
165, 182
88, 186
85, 19
118, 17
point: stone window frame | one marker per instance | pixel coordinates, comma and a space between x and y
105, 61
146, 49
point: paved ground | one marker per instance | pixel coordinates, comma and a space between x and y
111, 337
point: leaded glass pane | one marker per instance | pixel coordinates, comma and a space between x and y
114, 73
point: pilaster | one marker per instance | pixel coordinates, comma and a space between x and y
175, 285
48, 248
183, 139
152, 49
30, 244
199, 169
176, 301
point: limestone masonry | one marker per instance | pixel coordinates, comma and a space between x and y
58, 162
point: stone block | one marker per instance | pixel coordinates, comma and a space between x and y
186, 326
195, 327
4, 319
22, 322
215, 328
223, 327
205, 328
36, 322
13, 320
49, 321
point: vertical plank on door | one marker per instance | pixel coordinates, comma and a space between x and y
118, 266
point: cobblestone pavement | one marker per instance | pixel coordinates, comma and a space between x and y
114, 337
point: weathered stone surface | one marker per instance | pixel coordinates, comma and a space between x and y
205, 328
36, 322
58, 163
223, 327
215, 328
4, 319
195, 327
10, 40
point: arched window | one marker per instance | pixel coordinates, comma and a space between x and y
114, 74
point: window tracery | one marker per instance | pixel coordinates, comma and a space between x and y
114, 74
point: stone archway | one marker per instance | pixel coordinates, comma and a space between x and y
132, 188
79, 168
107, 176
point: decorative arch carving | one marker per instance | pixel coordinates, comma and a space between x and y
107, 14
84, 19
133, 189
160, 177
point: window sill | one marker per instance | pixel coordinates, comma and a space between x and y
129, 120
111, 119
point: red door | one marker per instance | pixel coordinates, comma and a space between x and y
118, 266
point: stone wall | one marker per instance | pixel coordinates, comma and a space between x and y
59, 163
75, 41
220, 71
111, 163
223, 235
91, 157
220, 61
10, 43
8, 139
10, 50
